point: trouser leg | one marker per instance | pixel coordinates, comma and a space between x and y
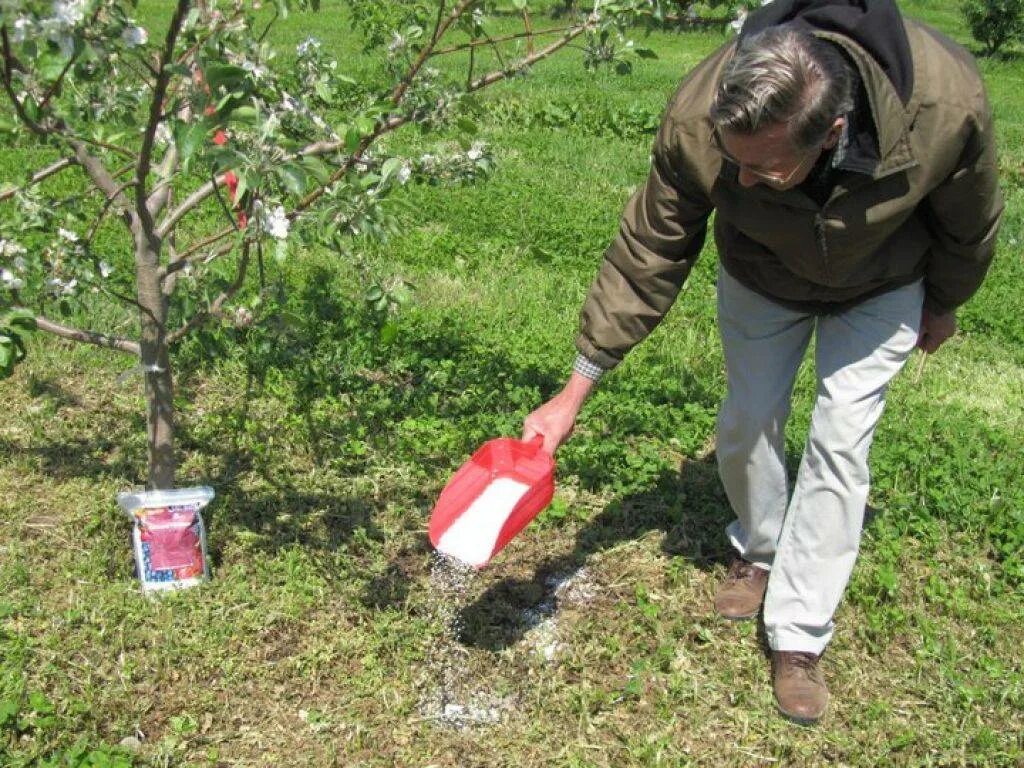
858, 352
763, 344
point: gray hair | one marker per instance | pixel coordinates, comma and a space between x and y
786, 76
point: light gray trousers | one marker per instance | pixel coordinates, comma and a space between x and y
809, 541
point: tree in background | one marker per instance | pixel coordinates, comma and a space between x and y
151, 130
994, 23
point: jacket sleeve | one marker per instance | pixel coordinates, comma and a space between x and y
660, 237
964, 213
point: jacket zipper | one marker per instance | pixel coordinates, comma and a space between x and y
819, 232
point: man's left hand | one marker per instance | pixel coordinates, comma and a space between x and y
935, 329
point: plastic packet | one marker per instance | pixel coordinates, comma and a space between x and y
168, 536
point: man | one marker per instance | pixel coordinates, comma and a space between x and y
849, 155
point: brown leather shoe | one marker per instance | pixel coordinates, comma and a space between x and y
799, 686
739, 596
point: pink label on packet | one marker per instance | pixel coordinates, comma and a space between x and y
172, 539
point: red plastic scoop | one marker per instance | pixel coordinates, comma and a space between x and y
491, 498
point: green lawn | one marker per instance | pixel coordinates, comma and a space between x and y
318, 640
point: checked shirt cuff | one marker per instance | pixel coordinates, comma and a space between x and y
587, 368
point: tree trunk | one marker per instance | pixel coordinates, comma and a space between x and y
156, 366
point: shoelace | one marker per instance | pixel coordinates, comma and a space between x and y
741, 570
806, 663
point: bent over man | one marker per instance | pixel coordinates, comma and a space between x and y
850, 158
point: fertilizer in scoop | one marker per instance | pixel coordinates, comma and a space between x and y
472, 537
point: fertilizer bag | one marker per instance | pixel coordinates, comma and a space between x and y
168, 536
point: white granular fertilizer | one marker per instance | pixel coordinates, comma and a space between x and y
471, 538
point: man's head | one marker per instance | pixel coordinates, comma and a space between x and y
779, 103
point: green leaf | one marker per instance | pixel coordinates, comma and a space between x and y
645, 53
467, 126
365, 125
316, 168
227, 76
389, 169
8, 711
245, 114
19, 318
352, 138
520, 5
40, 703
50, 64
293, 178
388, 333
7, 355
189, 137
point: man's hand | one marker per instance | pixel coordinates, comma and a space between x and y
557, 417
935, 329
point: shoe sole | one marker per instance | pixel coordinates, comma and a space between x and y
742, 617
804, 721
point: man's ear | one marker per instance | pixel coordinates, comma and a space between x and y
835, 132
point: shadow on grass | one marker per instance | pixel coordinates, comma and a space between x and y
352, 402
687, 505
60, 454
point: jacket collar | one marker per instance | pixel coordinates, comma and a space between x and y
890, 118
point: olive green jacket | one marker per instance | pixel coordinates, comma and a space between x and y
929, 207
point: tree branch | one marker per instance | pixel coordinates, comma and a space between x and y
106, 207
155, 109
39, 176
503, 39
99, 174
88, 337
193, 249
190, 202
9, 67
439, 29
180, 262
568, 37
215, 308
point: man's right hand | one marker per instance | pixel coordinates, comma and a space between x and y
557, 417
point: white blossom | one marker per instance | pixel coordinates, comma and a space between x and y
105, 270
310, 44
67, 234
163, 134
135, 36
258, 71
19, 263
274, 223
22, 29
478, 17
70, 12
11, 248
9, 280
243, 317
404, 173
397, 44
476, 151
289, 103
57, 285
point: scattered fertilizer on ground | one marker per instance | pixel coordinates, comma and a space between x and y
541, 625
471, 538
445, 701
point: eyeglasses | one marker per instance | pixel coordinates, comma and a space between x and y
772, 177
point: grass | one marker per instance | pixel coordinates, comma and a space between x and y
312, 644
